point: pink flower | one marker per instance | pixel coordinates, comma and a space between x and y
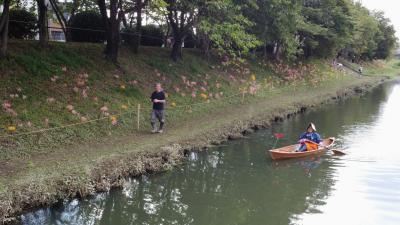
203, 89
46, 122
104, 109
51, 100
11, 112
193, 95
6, 105
84, 93
70, 107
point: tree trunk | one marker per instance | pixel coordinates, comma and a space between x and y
112, 28
205, 46
176, 53
265, 52
138, 36
43, 25
4, 21
277, 50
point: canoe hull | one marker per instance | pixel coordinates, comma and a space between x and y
289, 152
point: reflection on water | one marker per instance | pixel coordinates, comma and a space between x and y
239, 184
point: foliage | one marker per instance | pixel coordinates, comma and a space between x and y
152, 35
87, 27
23, 24
227, 28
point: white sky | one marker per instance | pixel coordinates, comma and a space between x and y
390, 7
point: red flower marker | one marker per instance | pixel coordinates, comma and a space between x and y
278, 136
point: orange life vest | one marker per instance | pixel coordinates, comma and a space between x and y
311, 146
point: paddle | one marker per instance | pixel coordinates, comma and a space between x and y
337, 152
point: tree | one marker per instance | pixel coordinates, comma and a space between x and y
366, 30
181, 15
223, 25
133, 9
4, 22
277, 23
87, 27
387, 40
23, 24
112, 20
327, 27
43, 23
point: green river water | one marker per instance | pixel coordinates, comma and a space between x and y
238, 183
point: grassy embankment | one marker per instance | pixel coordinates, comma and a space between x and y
42, 85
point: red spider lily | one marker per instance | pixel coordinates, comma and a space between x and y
279, 135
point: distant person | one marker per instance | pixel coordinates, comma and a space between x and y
310, 139
360, 70
158, 100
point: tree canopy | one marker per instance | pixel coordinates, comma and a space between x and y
277, 29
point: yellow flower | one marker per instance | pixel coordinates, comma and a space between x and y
125, 107
114, 120
122, 87
173, 104
205, 96
11, 128
253, 77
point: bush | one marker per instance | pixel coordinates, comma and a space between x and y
152, 35
23, 24
191, 41
87, 20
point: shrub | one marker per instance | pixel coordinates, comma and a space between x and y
152, 35
23, 24
90, 27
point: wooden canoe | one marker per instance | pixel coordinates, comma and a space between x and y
289, 152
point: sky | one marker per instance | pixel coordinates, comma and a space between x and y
390, 7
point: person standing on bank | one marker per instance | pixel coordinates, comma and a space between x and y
158, 100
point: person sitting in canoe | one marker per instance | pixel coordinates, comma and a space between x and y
309, 140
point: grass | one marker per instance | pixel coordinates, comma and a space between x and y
389, 68
41, 102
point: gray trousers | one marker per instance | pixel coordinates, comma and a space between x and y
157, 115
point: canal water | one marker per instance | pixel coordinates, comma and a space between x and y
238, 183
